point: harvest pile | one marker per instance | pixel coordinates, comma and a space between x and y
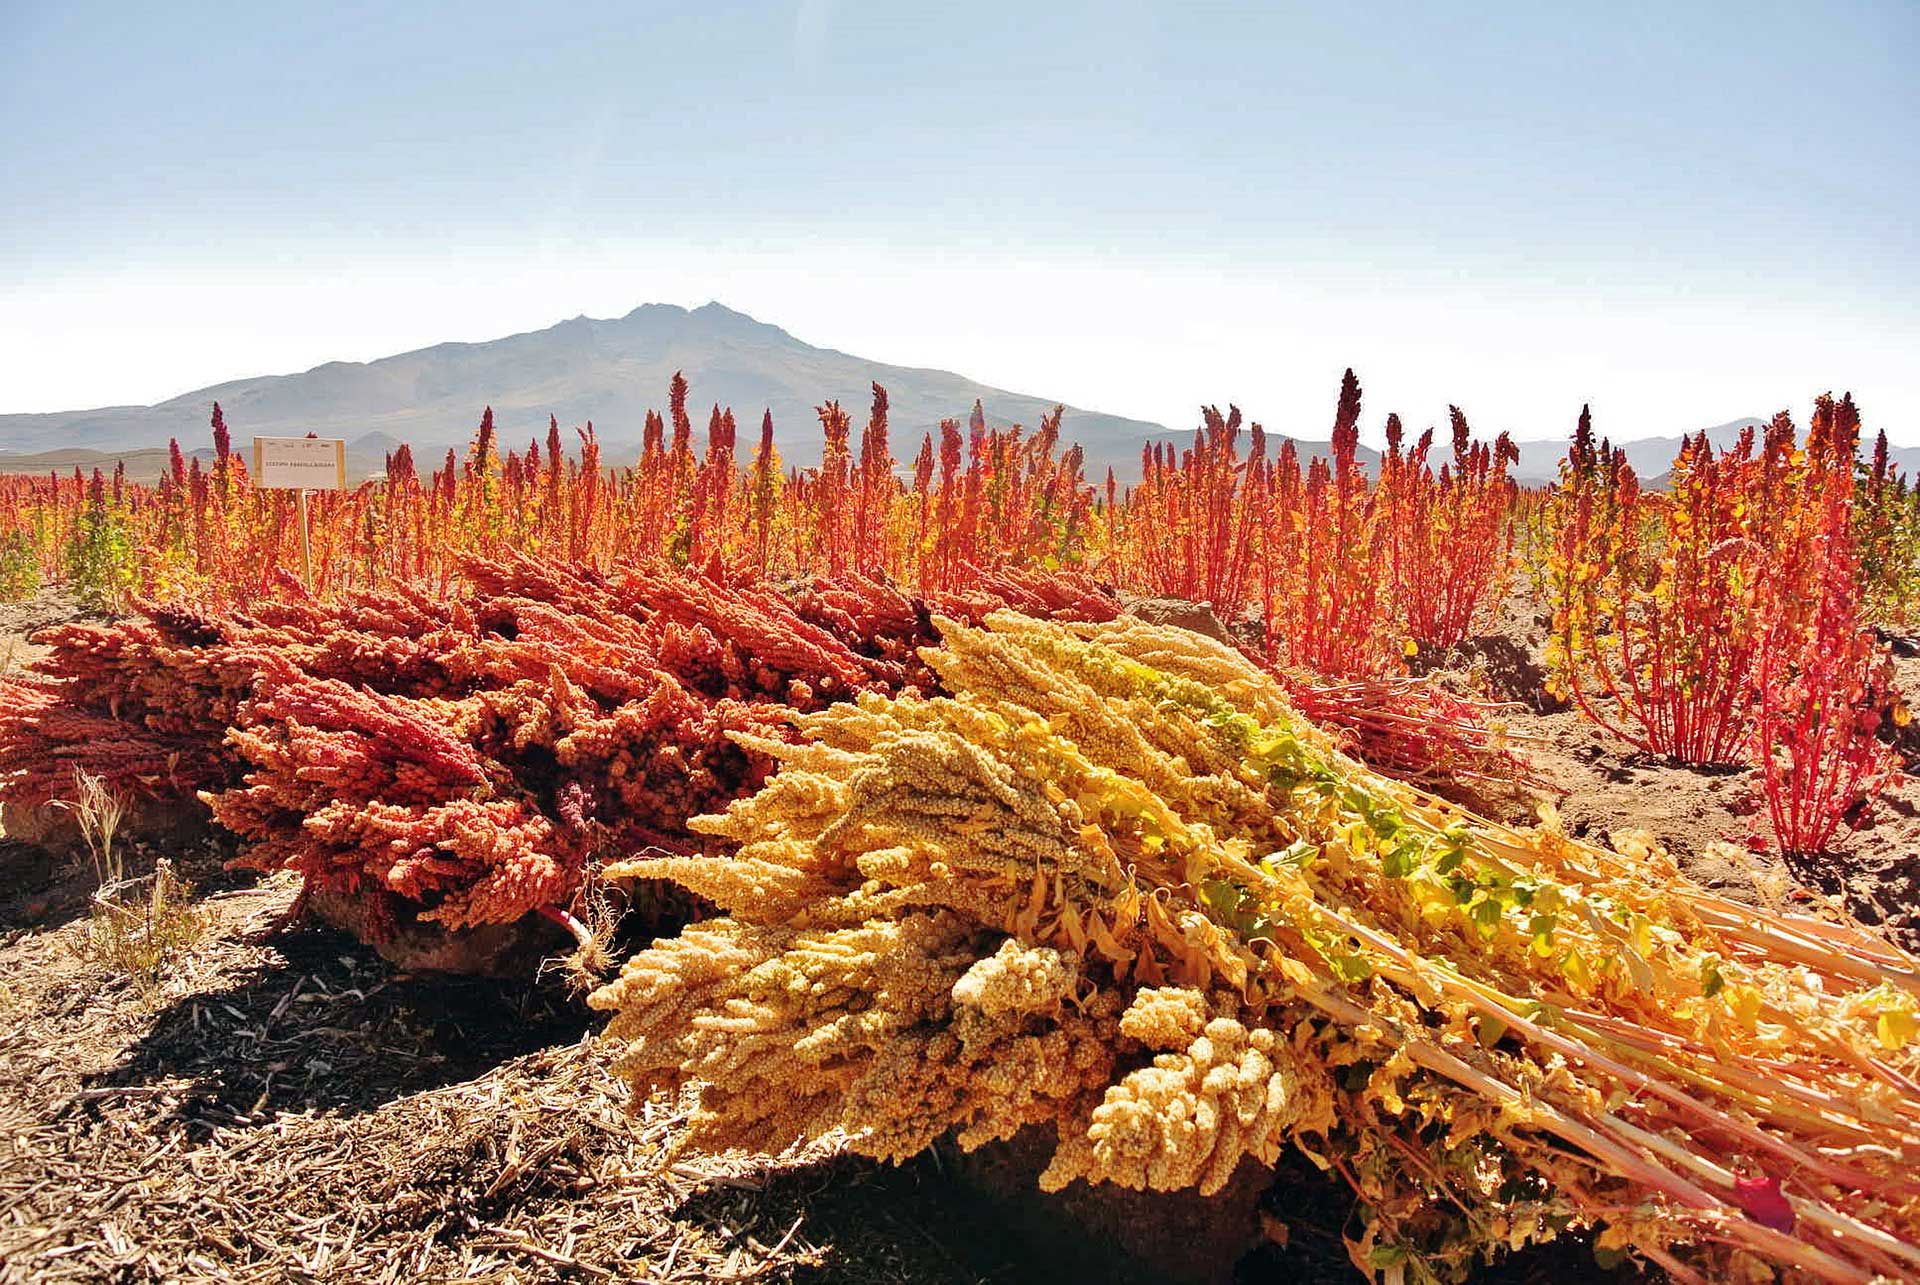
1115, 886
463, 758
468, 758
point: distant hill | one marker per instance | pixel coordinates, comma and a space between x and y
1651, 457
609, 372
143, 465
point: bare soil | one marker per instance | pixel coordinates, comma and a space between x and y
18, 622
294, 1110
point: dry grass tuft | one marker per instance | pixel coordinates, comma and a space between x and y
98, 810
140, 927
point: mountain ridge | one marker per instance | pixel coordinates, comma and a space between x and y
610, 371
583, 369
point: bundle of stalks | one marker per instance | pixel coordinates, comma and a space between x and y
1411, 728
1116, 886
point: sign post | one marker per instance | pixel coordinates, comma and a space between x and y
300, 464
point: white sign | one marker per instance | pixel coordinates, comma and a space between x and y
300, 463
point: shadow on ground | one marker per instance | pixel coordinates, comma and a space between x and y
330, 1026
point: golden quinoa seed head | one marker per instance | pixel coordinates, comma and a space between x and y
1113, 885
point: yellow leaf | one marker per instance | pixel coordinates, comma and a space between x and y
1743, 1002
1576, 970
1896, 1028
1296, 972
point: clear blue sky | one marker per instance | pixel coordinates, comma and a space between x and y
1680, 213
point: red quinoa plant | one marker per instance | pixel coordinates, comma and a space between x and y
1197, 513
1329, 602
1449, 541
1727, 621
1824, 682
1656, 596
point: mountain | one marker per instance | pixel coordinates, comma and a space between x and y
608, 371
611, 372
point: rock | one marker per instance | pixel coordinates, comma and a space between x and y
1180, 614
492, 950
1509, 671
1103, 1232
176, 821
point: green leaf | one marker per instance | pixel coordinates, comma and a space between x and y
1486, 915
1711, 981
1295, 855
1541, 926
1350, 968
1386, 1255
1397, 863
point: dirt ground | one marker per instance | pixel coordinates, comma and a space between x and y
296, 1111
19, 620
1601, 786
286, 1107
